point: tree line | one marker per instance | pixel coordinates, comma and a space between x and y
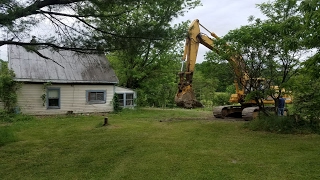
145, 48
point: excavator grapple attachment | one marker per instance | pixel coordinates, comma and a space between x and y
187, 99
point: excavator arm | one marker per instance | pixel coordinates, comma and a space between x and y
185, 96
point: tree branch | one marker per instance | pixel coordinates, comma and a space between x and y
7, 19
81, 50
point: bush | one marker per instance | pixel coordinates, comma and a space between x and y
280, 124
221, 99
115, 103
6, 117
11, 117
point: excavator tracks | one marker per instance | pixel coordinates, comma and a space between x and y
247, 113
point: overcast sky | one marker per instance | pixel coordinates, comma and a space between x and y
221, 16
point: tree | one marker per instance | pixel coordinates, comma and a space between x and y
271, 48
8, 88
310, 15
149, 65
306, 84
216, 69
137, 35
80, 25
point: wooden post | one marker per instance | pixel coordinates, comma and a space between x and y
105, 121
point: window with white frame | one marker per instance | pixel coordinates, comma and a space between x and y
125, 99
129, 99
53, 98
96, 96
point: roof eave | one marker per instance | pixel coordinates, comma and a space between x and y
64, 81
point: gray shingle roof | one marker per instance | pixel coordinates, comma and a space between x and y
76, 67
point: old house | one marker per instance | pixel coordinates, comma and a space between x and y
64, 82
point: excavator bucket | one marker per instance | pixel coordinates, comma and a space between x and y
185, 98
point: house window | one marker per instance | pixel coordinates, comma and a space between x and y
121, 99
53, 98
129, 99
96, 96
125, 99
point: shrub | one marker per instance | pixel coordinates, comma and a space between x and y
6, 117
11, 117
115, 103
221, 99
280, 124
8, 87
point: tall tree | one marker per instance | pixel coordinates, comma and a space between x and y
76, 23
216, 69
272, 49
306, 84
149, 65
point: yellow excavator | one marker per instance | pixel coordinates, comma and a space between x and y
185, 96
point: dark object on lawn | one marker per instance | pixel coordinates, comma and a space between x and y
106, 121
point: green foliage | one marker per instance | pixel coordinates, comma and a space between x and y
280, 124
115, 103
221, 99
231, 89
106, 26
154, 94
149, 65
203, 87
216, 70
13, 117
8, 88
310, 19
306, 83
44, 95
307, 98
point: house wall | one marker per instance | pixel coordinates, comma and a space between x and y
72, 98
124, 90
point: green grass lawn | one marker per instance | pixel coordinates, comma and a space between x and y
136, 145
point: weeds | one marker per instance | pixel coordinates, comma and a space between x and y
11, 117
280, 124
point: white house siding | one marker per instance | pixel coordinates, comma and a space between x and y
124, 90
72, 98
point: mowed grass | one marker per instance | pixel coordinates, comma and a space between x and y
154, 144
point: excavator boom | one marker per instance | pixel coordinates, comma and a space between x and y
185, 96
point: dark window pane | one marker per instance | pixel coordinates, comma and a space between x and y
120, 96
92, 96
100, 96
53, 102
129, 96
129, 102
